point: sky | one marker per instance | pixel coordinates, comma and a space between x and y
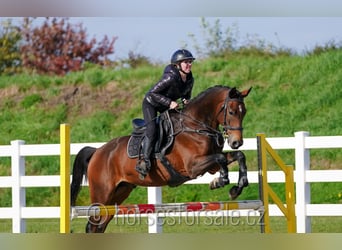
156, 28
157, 38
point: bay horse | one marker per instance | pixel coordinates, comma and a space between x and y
196, 149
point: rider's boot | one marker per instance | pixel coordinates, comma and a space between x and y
145, 165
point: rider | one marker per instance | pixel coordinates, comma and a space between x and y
176, 82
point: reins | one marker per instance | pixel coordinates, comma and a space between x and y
209, 131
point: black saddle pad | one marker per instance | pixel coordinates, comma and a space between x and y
164, 141
134, 145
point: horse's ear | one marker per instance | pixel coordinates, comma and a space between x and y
233, 93
245, 93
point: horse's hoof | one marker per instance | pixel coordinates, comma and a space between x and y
234, 192
212, 186
218, 183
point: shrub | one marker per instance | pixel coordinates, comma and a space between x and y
59, 47
136, 60
31, 100
9, 48
329, 46
218, 41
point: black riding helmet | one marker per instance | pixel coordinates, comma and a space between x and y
181, 55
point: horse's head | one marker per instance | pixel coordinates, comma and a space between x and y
231, 114
220, 105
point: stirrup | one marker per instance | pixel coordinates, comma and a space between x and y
143, 168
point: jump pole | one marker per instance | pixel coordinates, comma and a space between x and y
64, 178
106, 210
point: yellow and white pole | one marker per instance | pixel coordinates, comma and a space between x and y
263, 183
64, 178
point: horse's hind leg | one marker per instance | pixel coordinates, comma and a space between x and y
235, 191
99, 224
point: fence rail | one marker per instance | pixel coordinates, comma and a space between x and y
301, 143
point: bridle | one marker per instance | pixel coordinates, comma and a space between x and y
226, 125
209, 131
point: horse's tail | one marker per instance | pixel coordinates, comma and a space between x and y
79, 169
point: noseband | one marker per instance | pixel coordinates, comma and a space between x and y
226, 126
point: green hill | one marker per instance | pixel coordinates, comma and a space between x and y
290, 93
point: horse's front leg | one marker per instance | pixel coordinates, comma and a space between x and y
223, 179
235, 191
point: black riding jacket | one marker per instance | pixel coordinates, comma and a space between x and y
170, 88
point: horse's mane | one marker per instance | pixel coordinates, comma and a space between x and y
209, 90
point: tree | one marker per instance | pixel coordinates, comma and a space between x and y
58, 47
9, 47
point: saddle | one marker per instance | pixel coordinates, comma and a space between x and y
165, 138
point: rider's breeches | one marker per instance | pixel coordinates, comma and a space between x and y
150, 114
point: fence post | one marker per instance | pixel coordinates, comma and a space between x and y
65, 178
263, 184
18, 192
303, 196
154, 195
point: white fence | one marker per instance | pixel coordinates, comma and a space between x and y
301, 143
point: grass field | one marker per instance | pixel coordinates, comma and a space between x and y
191, 224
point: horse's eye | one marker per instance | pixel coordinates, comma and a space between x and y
231, 112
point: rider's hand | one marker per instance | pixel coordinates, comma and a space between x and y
173, 105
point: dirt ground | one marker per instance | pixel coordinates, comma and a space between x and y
83, 97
